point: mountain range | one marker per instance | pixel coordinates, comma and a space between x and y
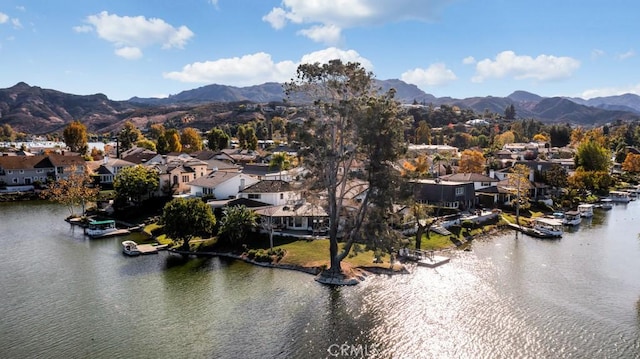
35, 110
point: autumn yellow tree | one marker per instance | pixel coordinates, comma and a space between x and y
73, 191
504, 138
540, 137
190, 139
75, 137
471, 161
631, 163
519, 186
418, 167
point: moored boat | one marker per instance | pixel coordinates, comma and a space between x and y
571, 218
619, 196
130, 248
548, 227
106, 228
586, 210
606, 204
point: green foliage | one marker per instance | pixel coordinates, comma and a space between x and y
184, 218
280, 161
266, 256
134, 182
148, 144
591, 156
510, 112
235, 225
172, 137
7, 133
247, 138
217, 139
128, 136
75, 137
351, 123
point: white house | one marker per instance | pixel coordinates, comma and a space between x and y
274, 192
220, 184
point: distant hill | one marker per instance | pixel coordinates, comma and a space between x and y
32, 109
36, 110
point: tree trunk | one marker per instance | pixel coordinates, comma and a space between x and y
419, 233
335, 266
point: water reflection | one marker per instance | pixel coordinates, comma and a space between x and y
66, 295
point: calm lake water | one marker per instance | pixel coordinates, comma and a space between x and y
63, 295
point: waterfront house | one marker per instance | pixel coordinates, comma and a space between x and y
303, 217
27, 170
220, 184
273, 192
106, 170
446, 194
176, 175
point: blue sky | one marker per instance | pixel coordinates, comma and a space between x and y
456, 48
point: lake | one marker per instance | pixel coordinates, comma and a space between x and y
64, 295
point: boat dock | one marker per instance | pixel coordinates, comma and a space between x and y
423, 258
150, 249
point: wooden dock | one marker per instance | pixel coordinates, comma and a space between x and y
423, 258
150, 249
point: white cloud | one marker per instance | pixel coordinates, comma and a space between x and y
596, 53
611, 91
257, 68
469, 60
16, 23
344, 14
83, 28
277, 17
329, 34
626, 55
129, 53
541, 68
3, 18
138, 31
21, 8
435, 75
331, 53
238, 71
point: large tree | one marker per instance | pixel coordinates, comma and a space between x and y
217, 139
172, 138
75, 137
519, 187
128, 136
592, 156
132, 183
236, 223
351, 123
73, 191
185, 218
471, 161
190, 140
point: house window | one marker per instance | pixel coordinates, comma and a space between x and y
27, 180
15, 180
485, 184
9, 172
21, 171
185, 178
175, 179
460, 191
39, 170
281, 195
254, 196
